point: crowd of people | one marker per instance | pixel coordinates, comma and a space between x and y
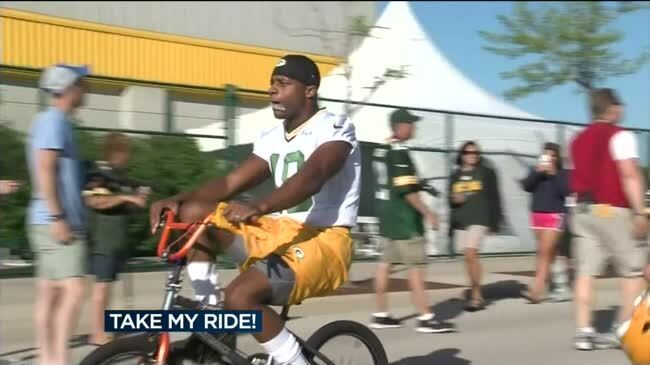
596, 207
78, 226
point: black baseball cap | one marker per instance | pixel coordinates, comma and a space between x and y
298, 67
402, 115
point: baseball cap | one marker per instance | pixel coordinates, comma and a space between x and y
56, 79
402, 115
298, 67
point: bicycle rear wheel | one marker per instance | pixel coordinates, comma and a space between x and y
345, 342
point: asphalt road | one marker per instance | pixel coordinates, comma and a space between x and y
508, 331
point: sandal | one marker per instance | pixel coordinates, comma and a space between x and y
532, 299
474, 305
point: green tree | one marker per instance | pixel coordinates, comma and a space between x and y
13, 207
357, 28
169, 165
563, 43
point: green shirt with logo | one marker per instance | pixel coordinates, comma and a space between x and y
396, 177
108, 228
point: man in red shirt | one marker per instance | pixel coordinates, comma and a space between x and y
609, 220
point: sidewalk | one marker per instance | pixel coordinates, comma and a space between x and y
446, 281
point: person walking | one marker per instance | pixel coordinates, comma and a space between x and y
609, 221
476, 211
401, 215
548, 183
56, 217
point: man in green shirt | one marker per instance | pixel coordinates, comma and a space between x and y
110, 201
401, 215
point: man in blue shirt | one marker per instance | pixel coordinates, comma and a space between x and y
56, 216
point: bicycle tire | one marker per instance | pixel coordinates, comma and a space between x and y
136, 344
349, 328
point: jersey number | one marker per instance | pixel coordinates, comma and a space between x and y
294, 160
381, 174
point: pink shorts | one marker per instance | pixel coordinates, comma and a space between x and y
553, 221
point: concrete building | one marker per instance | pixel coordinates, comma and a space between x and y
158, 65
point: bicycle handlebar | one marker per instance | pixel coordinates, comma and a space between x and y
170, 224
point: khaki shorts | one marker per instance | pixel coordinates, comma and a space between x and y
603, 232
56, 261
470, 237
411, 252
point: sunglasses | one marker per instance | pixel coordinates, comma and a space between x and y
470, 152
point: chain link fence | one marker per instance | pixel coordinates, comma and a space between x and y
183, 135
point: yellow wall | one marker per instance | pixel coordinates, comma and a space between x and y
37, 41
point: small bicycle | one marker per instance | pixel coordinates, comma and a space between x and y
208, 348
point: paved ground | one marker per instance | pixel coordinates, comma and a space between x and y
509, 331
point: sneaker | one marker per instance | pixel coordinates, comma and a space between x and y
433, 326
584, 340
559, 295
380, 322
607, 340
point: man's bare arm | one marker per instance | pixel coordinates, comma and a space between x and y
414, 200
633, 184
252, 172
323, 164
108, 202
46, 168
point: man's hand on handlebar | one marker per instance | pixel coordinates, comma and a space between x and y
241, 213
158, 208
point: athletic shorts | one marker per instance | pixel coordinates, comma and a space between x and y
54, 260
411, 252
604, 232
106, 267
470, 237
313, 262
551, 221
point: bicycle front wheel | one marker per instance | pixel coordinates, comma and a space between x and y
132, 350
345, 342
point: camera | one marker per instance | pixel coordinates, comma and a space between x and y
544, 159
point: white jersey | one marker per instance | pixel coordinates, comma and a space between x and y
337, 203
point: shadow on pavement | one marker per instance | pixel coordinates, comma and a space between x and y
75, 342
604, 318
11, 353
453, 307
505, 289
443, 357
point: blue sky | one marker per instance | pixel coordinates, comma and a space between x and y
454, 26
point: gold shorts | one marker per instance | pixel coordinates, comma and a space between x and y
320, 258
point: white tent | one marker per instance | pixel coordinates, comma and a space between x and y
399, 42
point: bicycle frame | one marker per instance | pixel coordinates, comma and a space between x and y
173, 286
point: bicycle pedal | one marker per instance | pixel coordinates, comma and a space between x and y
210, 307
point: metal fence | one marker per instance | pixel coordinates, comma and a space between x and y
511, 145
163, 146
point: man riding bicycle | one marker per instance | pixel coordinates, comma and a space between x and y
294, 243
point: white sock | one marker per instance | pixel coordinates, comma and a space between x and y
587, 330
559, 273
285, 349
381, 314
426, 317
204, 277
